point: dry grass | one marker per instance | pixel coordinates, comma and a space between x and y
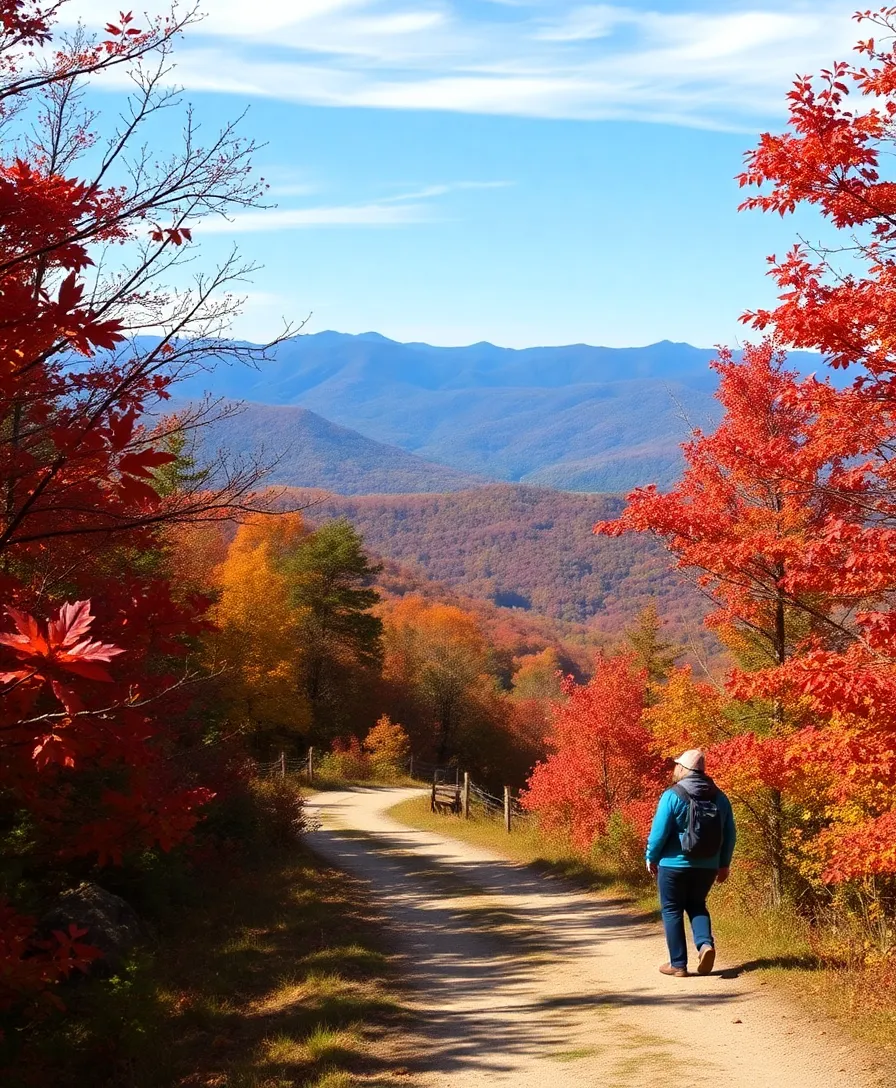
777, 945
278, 981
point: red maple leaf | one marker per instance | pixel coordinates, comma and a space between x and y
64, 646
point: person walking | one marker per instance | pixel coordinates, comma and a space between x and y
689, 849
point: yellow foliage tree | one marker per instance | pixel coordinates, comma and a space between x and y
259, 638
689, 714
538, 677
388, 746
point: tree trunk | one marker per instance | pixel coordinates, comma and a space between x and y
775, 830
776, 847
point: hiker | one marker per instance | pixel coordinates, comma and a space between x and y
689, 850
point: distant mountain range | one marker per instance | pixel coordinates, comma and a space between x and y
577, 418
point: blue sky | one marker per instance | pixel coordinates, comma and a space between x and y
520, 171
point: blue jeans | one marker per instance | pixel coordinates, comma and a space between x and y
684, 891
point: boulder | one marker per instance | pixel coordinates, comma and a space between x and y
112, 924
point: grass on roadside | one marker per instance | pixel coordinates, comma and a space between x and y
277, 981
524, 844
777, 944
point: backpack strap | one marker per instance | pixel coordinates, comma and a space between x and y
683, 795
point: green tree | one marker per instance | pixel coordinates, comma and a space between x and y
183, 473
652, 653
330, 578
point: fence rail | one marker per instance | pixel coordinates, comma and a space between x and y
285, 765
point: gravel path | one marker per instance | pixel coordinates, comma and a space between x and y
519, 979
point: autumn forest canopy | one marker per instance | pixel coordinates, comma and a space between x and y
173, 622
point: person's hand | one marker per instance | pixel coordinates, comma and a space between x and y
652, 868
722, 875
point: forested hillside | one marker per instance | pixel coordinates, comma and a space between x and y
524, 548
304, 450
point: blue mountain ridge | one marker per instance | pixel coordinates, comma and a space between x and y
574, 417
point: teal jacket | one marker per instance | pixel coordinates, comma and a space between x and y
671, 819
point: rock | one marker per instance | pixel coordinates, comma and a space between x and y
112, 924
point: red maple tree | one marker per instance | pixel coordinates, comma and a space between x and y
601, 757
787, 512
91, 723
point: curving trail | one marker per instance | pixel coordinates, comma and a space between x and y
518, 979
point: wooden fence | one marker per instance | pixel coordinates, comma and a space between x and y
283, 765
453, 793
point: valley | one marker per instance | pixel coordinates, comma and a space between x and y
526, 549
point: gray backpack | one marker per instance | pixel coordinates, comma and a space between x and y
702, 838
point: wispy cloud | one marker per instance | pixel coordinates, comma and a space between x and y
403, 209
429, 192
586, 23
336, 215
720, 65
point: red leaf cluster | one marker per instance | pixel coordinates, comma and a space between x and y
29, 964
94, 718
787, 513
602, 759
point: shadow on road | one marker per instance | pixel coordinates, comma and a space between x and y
480, 938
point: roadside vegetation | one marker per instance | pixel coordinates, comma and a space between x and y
271, 973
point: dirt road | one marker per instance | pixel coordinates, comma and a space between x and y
519, 979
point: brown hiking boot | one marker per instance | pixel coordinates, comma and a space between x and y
707, 959
675, 972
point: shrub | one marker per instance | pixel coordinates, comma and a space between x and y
388, 747
280, 811
620, 849
347, 761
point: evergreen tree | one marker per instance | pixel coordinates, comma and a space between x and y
652, 653
181, 474
330, 578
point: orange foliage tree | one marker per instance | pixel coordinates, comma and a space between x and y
388, 746
258, 646
537, 685
538, 677
439, 654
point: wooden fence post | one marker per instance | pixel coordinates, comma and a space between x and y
310, 765
507, 809
283, 764
466, 795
